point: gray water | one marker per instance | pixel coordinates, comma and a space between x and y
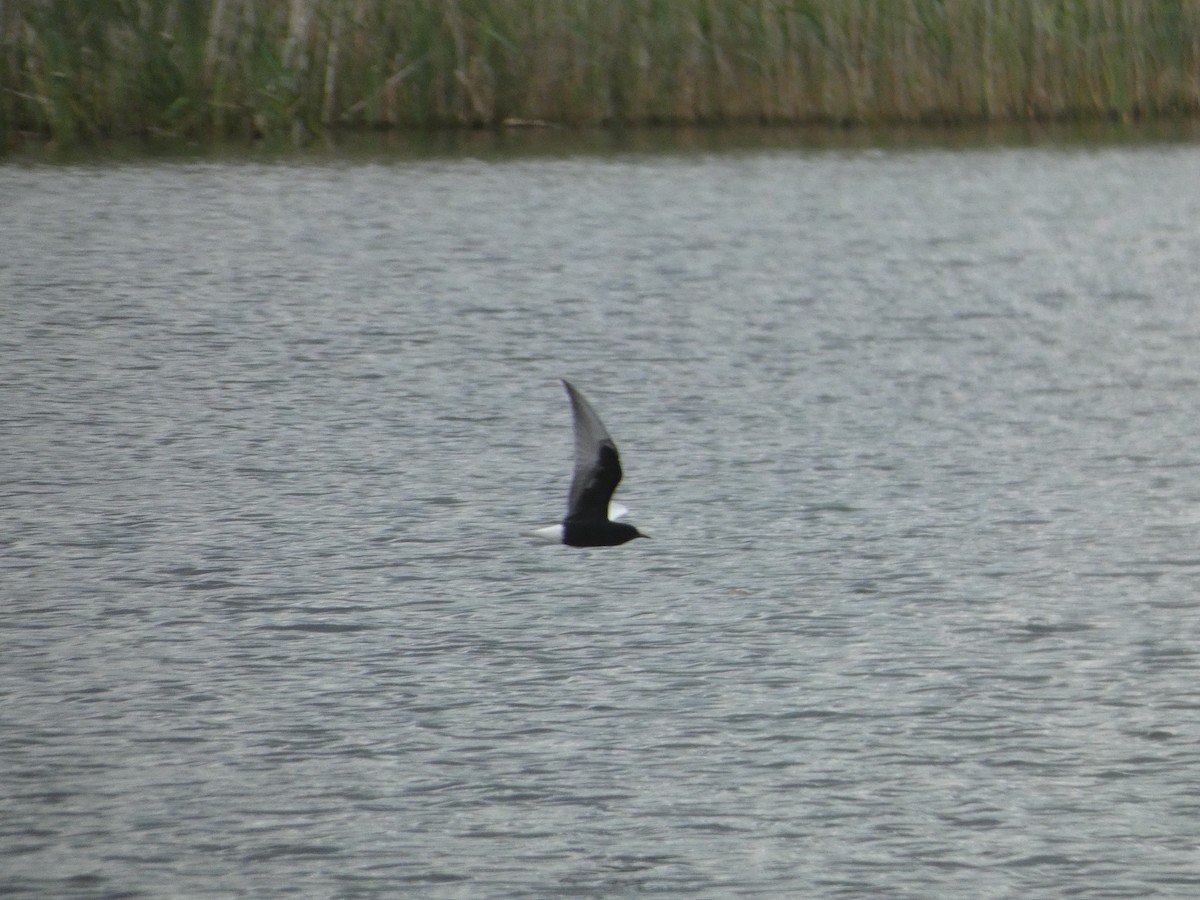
915, 434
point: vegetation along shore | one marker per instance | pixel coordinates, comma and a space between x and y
74, 71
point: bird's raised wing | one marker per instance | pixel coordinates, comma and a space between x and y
597, 464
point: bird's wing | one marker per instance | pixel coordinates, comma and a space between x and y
597, 464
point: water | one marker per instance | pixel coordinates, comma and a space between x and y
914, 433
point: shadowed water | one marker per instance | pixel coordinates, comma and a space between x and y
915, 435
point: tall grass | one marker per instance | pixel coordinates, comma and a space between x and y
74, 70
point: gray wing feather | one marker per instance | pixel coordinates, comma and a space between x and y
597, 465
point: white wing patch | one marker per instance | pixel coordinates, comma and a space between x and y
616, 510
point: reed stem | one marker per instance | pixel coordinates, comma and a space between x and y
73, 71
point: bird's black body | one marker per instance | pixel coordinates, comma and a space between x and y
597, 474
598, 534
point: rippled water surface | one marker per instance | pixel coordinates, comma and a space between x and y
915, 433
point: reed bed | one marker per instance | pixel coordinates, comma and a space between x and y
73, 70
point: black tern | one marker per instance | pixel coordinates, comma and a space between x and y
597, 474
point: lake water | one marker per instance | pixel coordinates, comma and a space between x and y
915, 432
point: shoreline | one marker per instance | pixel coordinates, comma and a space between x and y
541, 143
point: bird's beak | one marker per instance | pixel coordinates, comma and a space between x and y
646, 536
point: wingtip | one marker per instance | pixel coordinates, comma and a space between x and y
573, 392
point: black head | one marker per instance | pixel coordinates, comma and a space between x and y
631, 531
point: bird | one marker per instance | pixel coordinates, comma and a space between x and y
591, 514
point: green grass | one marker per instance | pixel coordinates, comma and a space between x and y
78, 70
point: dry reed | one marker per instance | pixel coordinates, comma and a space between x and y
73, 70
